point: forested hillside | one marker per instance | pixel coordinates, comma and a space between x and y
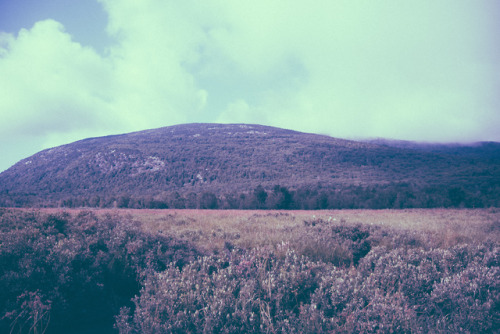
252, 166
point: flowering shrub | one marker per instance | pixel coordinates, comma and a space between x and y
33, 315
336, 278
259, 291
65, 273
411, 290
341, 245
468, 301
249, 292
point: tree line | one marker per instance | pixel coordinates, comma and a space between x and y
317, 197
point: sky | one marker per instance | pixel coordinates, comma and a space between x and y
421, 70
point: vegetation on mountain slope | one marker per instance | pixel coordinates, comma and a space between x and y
251, 166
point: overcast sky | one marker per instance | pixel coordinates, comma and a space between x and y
421, 70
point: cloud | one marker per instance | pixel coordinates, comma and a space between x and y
421, 70
155, 40
48, 82
47, 86
405, 71
53, 90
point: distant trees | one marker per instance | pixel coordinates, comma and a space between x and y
123, 201
260, 195
456, 196
208, 201
281, 198
307, 197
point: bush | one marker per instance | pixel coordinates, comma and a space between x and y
477, 292
250, 292
65, 273
398, 283
408, 289
78, 271
341, 245
411, 290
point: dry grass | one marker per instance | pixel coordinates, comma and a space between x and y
212, 229
367, 271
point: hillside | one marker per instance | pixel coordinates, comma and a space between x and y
244, 166
478, 150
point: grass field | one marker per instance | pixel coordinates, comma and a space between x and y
251, 228
204, 271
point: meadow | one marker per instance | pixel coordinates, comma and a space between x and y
230, 271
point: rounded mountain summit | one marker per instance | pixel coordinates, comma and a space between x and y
223, 159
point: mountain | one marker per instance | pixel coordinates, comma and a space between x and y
247, 166
478, 150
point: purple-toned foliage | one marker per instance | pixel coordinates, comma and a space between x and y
70, 273
61, 273
238, 292
340, 245
400, 284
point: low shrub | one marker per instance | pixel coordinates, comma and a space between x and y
240, 292
411, 290
76, 271
327, 281
341, 245
63, 273
476, 292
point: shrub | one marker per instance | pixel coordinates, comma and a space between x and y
468, 301
411, 290
341, 245
65, 273
76, 271
250, 292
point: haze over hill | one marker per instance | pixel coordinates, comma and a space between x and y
252, 166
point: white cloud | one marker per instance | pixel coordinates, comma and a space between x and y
53, 90
419, 70
155, 40
46, 80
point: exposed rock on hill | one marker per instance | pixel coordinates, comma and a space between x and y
232, 158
